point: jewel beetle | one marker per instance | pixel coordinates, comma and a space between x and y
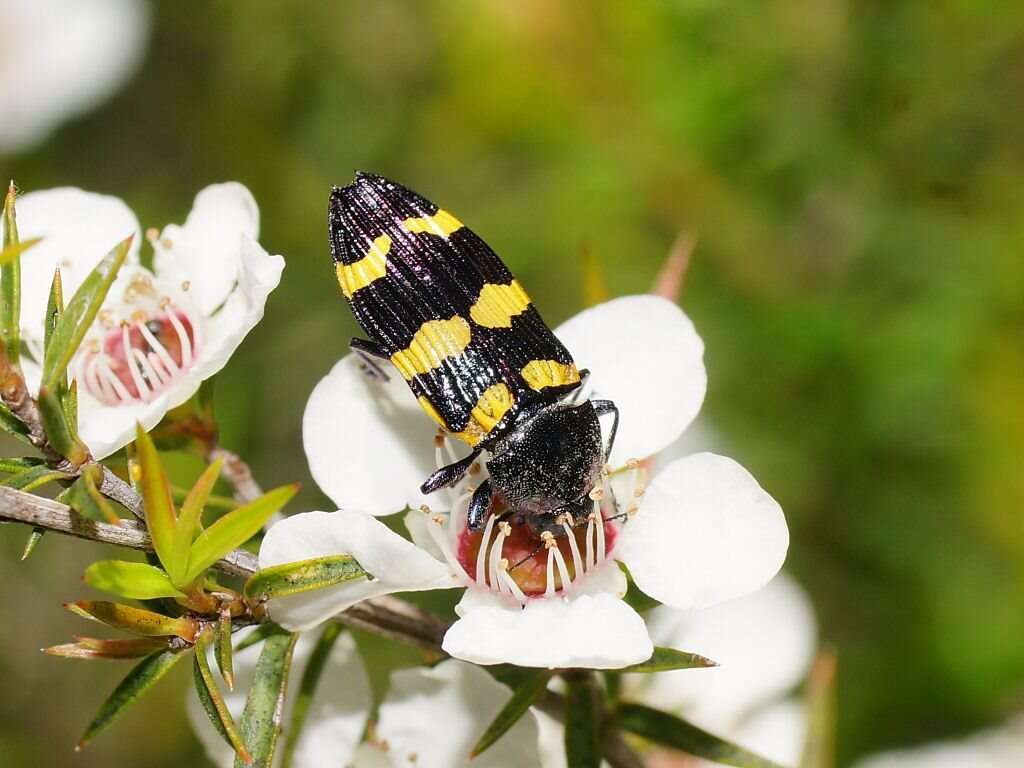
440, 307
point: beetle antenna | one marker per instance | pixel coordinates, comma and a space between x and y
538, 549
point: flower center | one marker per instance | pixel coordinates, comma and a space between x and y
139, 358
509, 558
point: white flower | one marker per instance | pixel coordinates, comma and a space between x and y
60, 58
701, 533
336, 718
764, 644
1001, 747
162, 332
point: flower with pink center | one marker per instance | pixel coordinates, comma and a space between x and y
160, 332
698, 532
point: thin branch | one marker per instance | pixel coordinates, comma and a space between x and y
386, 616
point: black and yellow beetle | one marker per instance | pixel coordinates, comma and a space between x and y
442, 308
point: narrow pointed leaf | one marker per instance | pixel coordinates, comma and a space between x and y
69, 401
595, 283
32, 542
302, 576
59, 431
148, 672
12, 252
522, 699
54, 308
820, 746
33, 477
264, 706
258, 635
135, 620
213, 701
136, 581
14, 466
12, 425
671, 731
79, 498
79, 314
10, 282
192, 510
665, 659
222, 649
235, 528
213, 501
582, 724
307, 690
92, 477
159, 509
118, 649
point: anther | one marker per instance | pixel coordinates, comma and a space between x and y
186, 285
596, 494
439, 519
424, 509
632, 463
632, 509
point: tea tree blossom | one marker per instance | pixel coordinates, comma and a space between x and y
61, 58
701, 532
764, 644
161, 332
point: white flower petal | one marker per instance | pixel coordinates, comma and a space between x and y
551, 740
78, 229
259, 274
705, 533
595, 631
337, 714
764, 644
58, 61
369, 444
778, 732
396, 563
372, 756
644, 353
207, 249
432, 718
107, 428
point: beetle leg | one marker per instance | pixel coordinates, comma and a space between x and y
478, 506
607, 406
450, 474
369, 353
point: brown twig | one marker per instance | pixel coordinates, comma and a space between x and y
238, 473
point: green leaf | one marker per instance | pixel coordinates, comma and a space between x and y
222, 649
12, 425
307, 689
10, 282
14, 466
264, 706
79, 314
119, 649
302, 576
522, 699
190, 518
60, 433
159, 510
671, 731
136, 581
12, 252
54, 307
258, 635
213, 501
234, 529
32, 542
33, 477
582, 723
138, 682
665, 659
212, 700
135, 620
80, 498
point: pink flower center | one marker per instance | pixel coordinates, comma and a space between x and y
140, 358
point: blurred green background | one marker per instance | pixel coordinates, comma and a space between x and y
853, 170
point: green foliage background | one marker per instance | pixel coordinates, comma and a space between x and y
853, 170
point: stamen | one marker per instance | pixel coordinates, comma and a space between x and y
436, 529
104, 370
510, 583
504, 529
183, 339
590, 561
157, 347
577, 561
549, 589
599, 532
563, 570
129, 358
481, 555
